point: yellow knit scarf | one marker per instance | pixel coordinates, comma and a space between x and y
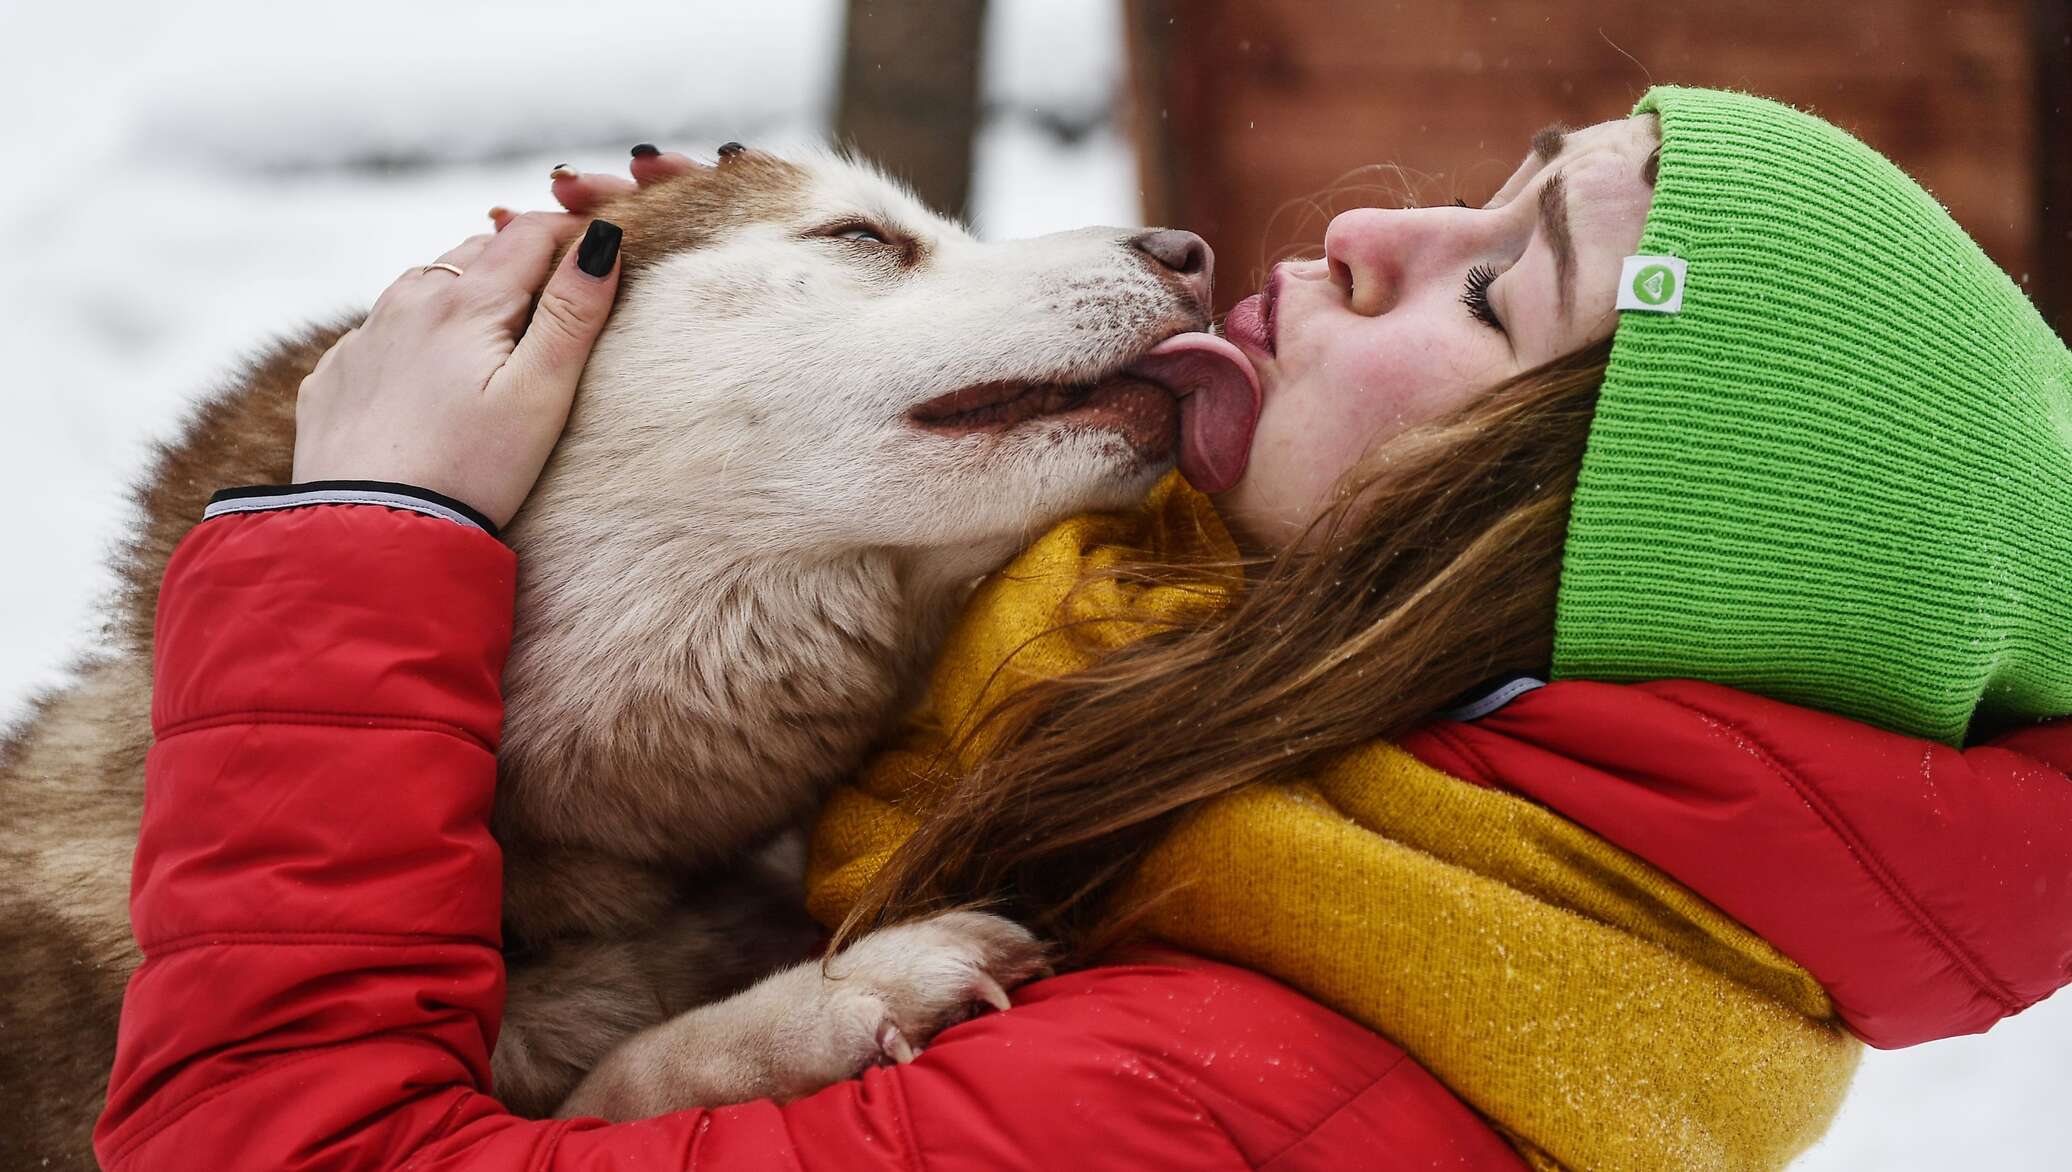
1598, 1013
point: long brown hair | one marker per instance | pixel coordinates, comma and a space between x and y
1435, 569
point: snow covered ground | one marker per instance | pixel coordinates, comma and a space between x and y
189, 178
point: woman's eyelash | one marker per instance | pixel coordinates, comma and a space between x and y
1476, 296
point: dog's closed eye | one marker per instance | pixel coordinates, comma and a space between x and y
871, 238
859, 231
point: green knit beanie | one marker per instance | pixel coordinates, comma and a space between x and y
1841, 473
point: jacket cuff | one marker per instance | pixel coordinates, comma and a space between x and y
263, 497
1489, 697
354, 612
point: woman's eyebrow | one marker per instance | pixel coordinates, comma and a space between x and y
1554, 222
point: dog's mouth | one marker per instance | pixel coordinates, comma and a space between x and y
1193, 397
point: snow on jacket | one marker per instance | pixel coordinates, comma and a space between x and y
316, 897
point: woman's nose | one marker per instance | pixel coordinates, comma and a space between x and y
1373, 251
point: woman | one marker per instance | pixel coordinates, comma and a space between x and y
1832, 472
1629, 926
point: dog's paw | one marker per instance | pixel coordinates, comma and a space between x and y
886, 996
815, 1024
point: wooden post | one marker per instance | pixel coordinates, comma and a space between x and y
2052, 285
909, 101
1148, 39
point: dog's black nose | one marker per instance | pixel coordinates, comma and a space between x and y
1185, 255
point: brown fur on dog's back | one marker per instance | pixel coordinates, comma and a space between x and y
64, 960
71, 780
54, 1091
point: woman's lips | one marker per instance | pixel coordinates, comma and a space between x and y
1250, 323
1273, 310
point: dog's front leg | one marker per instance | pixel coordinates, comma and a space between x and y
574, 1001
815, 1024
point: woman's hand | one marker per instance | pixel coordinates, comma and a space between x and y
459, 383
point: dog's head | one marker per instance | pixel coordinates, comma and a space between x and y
806, 356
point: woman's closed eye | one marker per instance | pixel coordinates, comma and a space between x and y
1476, 297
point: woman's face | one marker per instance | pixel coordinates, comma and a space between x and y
1413, 312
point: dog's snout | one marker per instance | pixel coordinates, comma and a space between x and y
1183, 254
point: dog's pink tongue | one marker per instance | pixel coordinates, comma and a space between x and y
1219, 405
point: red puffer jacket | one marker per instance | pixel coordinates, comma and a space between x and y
316, 896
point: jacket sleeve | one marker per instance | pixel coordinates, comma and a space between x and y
1928, 888
316, 895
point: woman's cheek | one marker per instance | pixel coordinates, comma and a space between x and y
1338, 454
1276, 493
1318, 428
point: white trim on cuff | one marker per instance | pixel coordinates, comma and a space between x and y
337, 496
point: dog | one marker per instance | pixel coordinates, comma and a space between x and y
818, 414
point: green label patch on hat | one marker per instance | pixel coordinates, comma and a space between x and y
1654, 284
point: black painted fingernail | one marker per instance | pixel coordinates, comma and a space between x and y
642, 150
728, 150
600, 247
